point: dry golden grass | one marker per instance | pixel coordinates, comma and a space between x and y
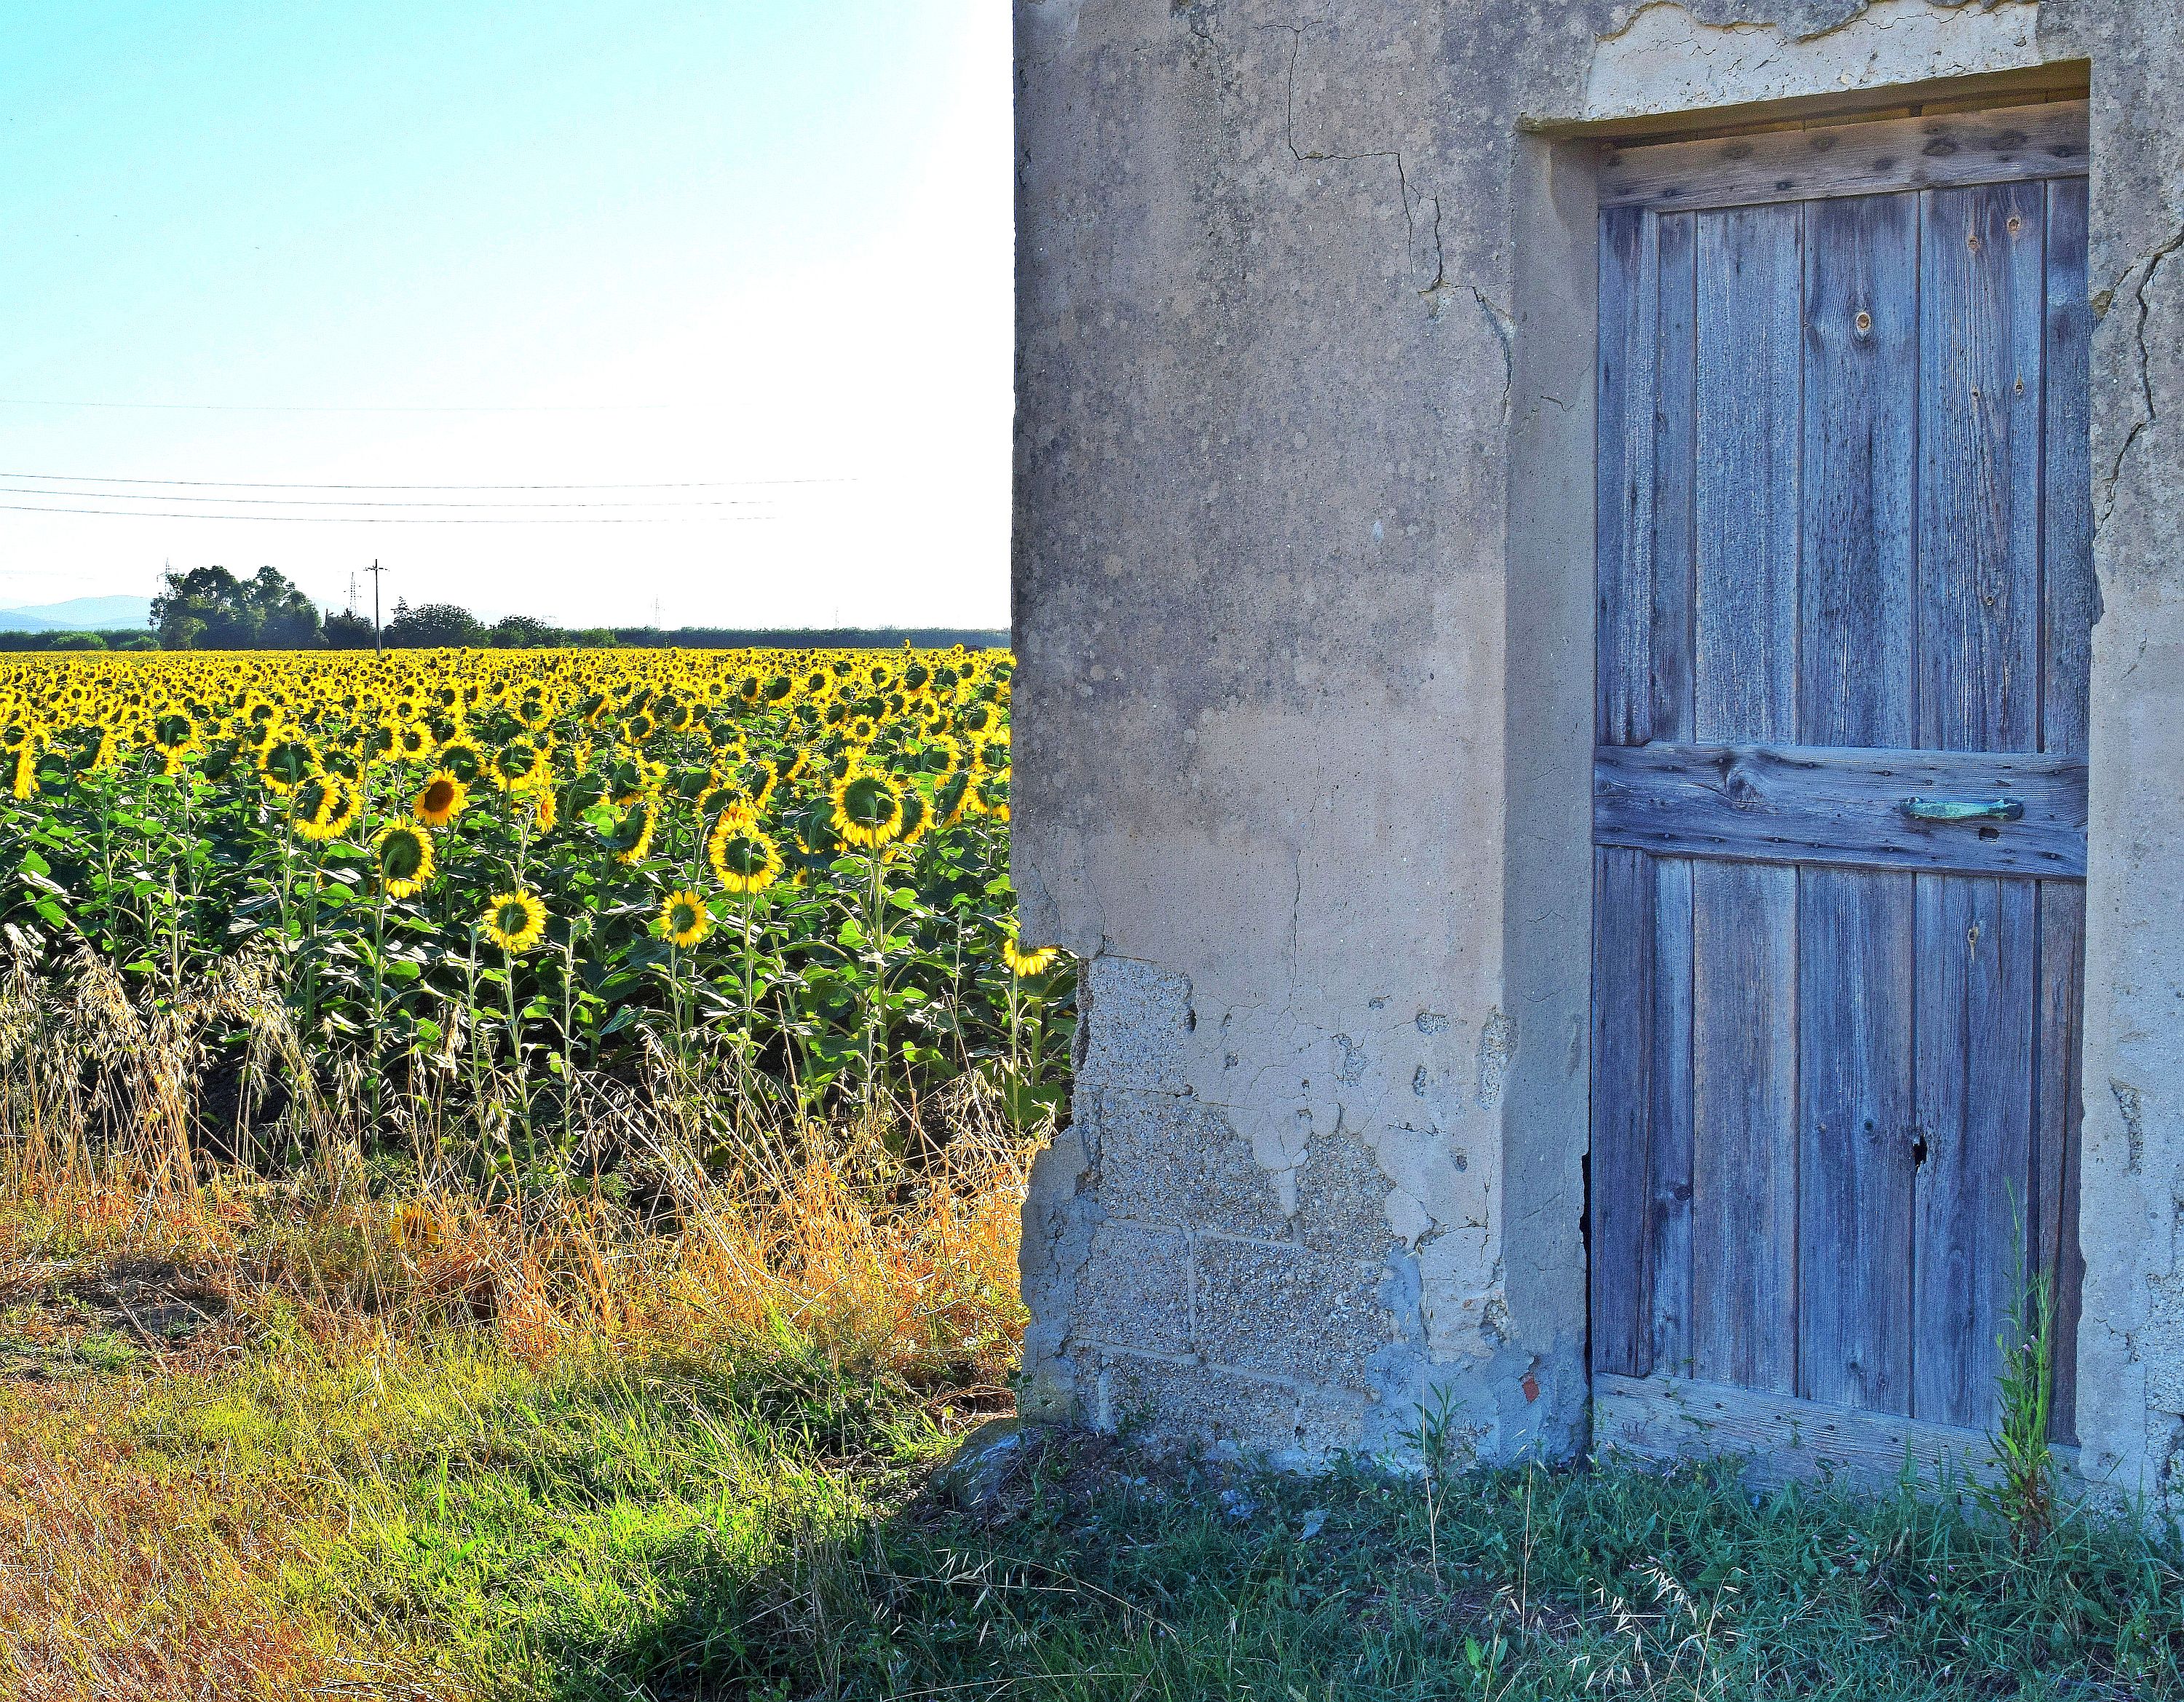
134, 1573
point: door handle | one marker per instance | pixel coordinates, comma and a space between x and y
1963, 809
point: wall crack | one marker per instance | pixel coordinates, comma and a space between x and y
2146, 268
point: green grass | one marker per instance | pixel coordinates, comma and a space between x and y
755, 1526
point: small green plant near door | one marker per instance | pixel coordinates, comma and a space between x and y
2024, 1493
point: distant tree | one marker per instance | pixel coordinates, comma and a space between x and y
433, 626
348, 631
76, 641
209, 609
521, 632
138, 641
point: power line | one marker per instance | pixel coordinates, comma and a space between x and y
365, 502
301, 485
289, 407
386, 520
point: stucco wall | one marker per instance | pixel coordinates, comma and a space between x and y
1303, 590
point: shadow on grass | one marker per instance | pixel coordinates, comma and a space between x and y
1101, 1571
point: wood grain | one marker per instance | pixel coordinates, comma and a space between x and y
1934, 152
1854, 665
1669, 1247
1976, 953
1784, 1440
2071, 598
1855, 1136
1621, 1052
1623, 627
1982, 329
1675, 482
2058, 1120
1744, 1124
1746, 401
1808, 804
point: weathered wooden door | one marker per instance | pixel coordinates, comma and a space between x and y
1845, 596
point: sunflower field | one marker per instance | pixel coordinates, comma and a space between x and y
474, 883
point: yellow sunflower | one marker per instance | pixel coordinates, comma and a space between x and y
515, 921
172, 734
325, 806
440, 800
743, 859
286, 764
517, 764
1023, 963
867, 808
403, 852
630, 839
462, 759
684, 920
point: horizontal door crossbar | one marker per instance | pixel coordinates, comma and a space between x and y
1945, 812
1945, 151
1671, 1418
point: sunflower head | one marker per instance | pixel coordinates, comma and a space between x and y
324, 807
93, 751
684, 920
916, 817
631, 838
171, 733
1023, 963
867, 808
286, 764
403, 852
462, 759
517, 764
515, 921
440, 800
413, 742
743, 859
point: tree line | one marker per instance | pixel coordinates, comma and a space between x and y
211, 609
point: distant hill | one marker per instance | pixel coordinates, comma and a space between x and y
812, 637
80, 614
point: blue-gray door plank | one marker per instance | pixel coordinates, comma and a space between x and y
1747, 403
1982, 300
1854, 684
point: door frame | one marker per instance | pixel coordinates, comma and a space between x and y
1550, 615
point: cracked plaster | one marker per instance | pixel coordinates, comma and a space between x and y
1301, 756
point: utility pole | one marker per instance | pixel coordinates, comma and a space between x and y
378, 642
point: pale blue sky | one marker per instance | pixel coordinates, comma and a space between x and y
762, 248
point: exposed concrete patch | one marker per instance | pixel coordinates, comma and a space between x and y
1177, 1160
1497, 1044
1289, 1311
1665, 60
1134, 1289
2131, 1103
1138, 1021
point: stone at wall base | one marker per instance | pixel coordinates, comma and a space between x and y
985, 1461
